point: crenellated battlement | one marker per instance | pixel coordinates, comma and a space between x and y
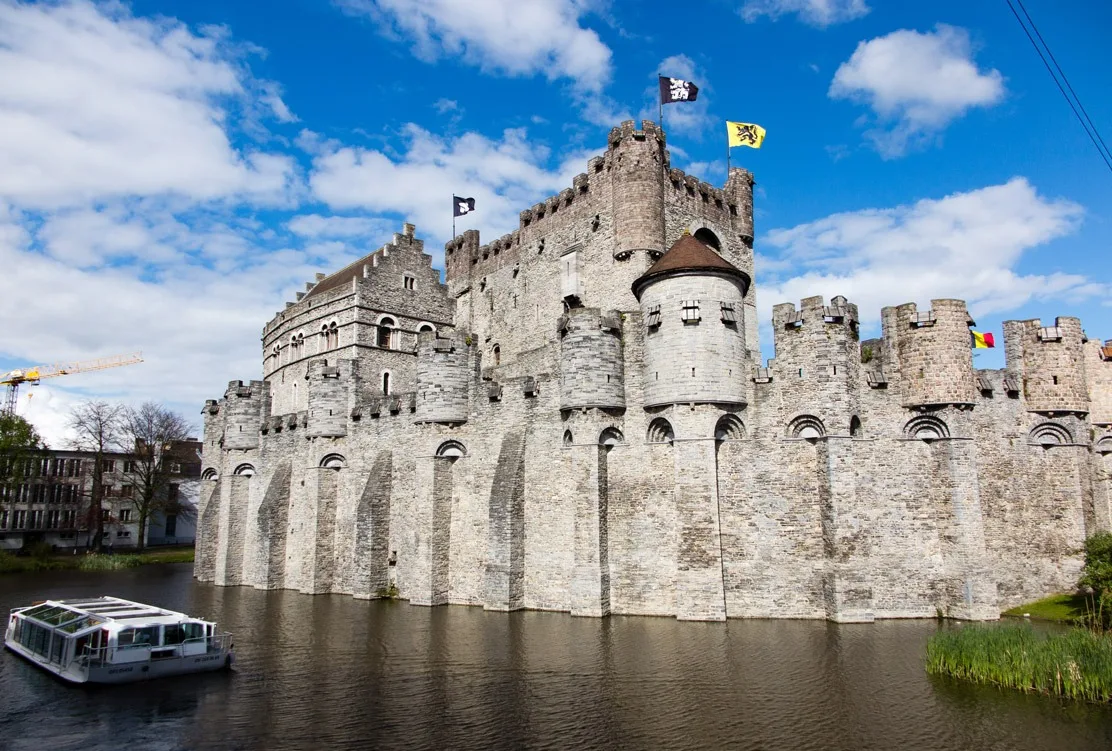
1050, 362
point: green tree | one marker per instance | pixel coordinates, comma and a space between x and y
1097, 576
154, 435
20, 445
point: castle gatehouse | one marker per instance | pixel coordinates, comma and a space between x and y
579, 420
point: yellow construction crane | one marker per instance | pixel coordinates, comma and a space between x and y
33, 375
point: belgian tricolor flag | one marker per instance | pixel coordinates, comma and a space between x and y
982, 341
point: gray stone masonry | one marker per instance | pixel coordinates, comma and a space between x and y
534, 433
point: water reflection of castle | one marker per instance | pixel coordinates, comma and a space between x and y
579, 420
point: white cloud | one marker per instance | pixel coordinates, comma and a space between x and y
501, 36
97, 103
315, 226
821, 13
966, 245
503, 176
916, 84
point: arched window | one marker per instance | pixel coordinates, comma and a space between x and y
855, 427
611, 437
426, 327
209, 474
385, 337
333, 335
497, 352
1104, 445
806, 426
322, 343
333, 461
729, 428
568, 440
660, 431
707, 237
1051, 434
926, 428
245, 470
386, 383
451, 450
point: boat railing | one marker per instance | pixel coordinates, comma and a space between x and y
215, 644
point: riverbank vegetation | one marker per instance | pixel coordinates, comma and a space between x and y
1076, 664
41, 560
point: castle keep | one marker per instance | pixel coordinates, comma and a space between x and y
579, 420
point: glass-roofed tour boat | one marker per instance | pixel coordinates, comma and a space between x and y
110, 640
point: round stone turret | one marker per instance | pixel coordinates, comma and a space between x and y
1050, 362
442, 377
243, 414
592, 372
692, 303
637, 181
933, 352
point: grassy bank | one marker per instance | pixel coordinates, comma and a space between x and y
13, 564
1063, 608
1076, 664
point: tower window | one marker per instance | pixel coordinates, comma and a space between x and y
497, 352
1055, 380
409, 282
691, 311
386, 383
654, 317
729, 315
384, 337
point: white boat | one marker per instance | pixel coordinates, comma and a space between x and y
110, 640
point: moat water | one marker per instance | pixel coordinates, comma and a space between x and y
331, 672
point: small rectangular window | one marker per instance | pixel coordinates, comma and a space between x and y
729, 315
108, 465
654, 316
409, 282
691, 311
125, 515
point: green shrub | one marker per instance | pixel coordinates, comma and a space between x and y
1097, 576
39, 550
1076, 664
101, 562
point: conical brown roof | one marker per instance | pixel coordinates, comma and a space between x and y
688, 254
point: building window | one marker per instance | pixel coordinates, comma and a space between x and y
171, 529
654, 317
386, 383
108, 465
409, 282
729, 315
690, 311
385, 336
497, 352
123, 533
3, 518
333, 335
126, 491
175, 468
173, 490
125, 515
131, 467
19, 519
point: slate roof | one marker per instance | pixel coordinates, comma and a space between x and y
687, 254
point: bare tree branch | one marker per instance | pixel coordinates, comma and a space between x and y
156, 435
97, 429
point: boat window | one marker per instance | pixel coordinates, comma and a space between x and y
173, 634
56, 648
138, 637
34, 612
81, 623
193, 630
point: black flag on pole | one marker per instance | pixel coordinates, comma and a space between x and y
677, 90
461, 206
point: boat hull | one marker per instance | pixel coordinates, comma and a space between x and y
128, 672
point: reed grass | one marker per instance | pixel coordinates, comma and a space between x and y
101, 562
1076, 664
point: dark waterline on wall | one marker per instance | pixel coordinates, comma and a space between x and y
334, 672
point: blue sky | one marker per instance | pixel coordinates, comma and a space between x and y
173, 171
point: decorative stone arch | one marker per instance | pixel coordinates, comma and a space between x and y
568, 440
855, 430
451, 450
1049, 434
611, 437
1103, 445
729, 428
717, 233
424, 326
926, 428
707, 237
333, 461
660, 431
245, 470
385, 328
209, 474
806, 426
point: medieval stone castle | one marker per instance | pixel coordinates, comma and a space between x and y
579, 420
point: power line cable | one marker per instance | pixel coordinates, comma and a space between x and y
1062, 73
1093, 133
